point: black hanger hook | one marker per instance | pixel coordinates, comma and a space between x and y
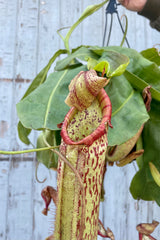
110, 9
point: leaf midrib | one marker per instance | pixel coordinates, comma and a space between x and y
115, 112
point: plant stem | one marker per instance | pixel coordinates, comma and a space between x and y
89, 11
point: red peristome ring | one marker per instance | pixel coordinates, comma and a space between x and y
106, 106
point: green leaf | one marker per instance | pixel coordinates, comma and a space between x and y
128, 110
23, 133
152, 54
83, 53
143, 185
99, 50
90, 10
45, 108
48, 157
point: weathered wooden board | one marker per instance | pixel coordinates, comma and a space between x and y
28, 39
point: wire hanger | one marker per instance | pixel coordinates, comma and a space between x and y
111, 9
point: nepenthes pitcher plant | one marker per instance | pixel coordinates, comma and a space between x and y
84, 151
84, 145
82, 163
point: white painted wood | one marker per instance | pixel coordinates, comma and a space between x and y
70, 11
8, 33
5, 114
92, 26
123, 213
19, 204
4, 171
28, 39
48, 39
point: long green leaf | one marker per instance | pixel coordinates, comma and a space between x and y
128, 111
45, 108
23, 132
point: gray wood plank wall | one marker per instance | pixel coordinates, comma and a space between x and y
28, 39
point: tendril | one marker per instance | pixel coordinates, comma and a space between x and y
60, 29
36, 175
28, 151
126, 29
